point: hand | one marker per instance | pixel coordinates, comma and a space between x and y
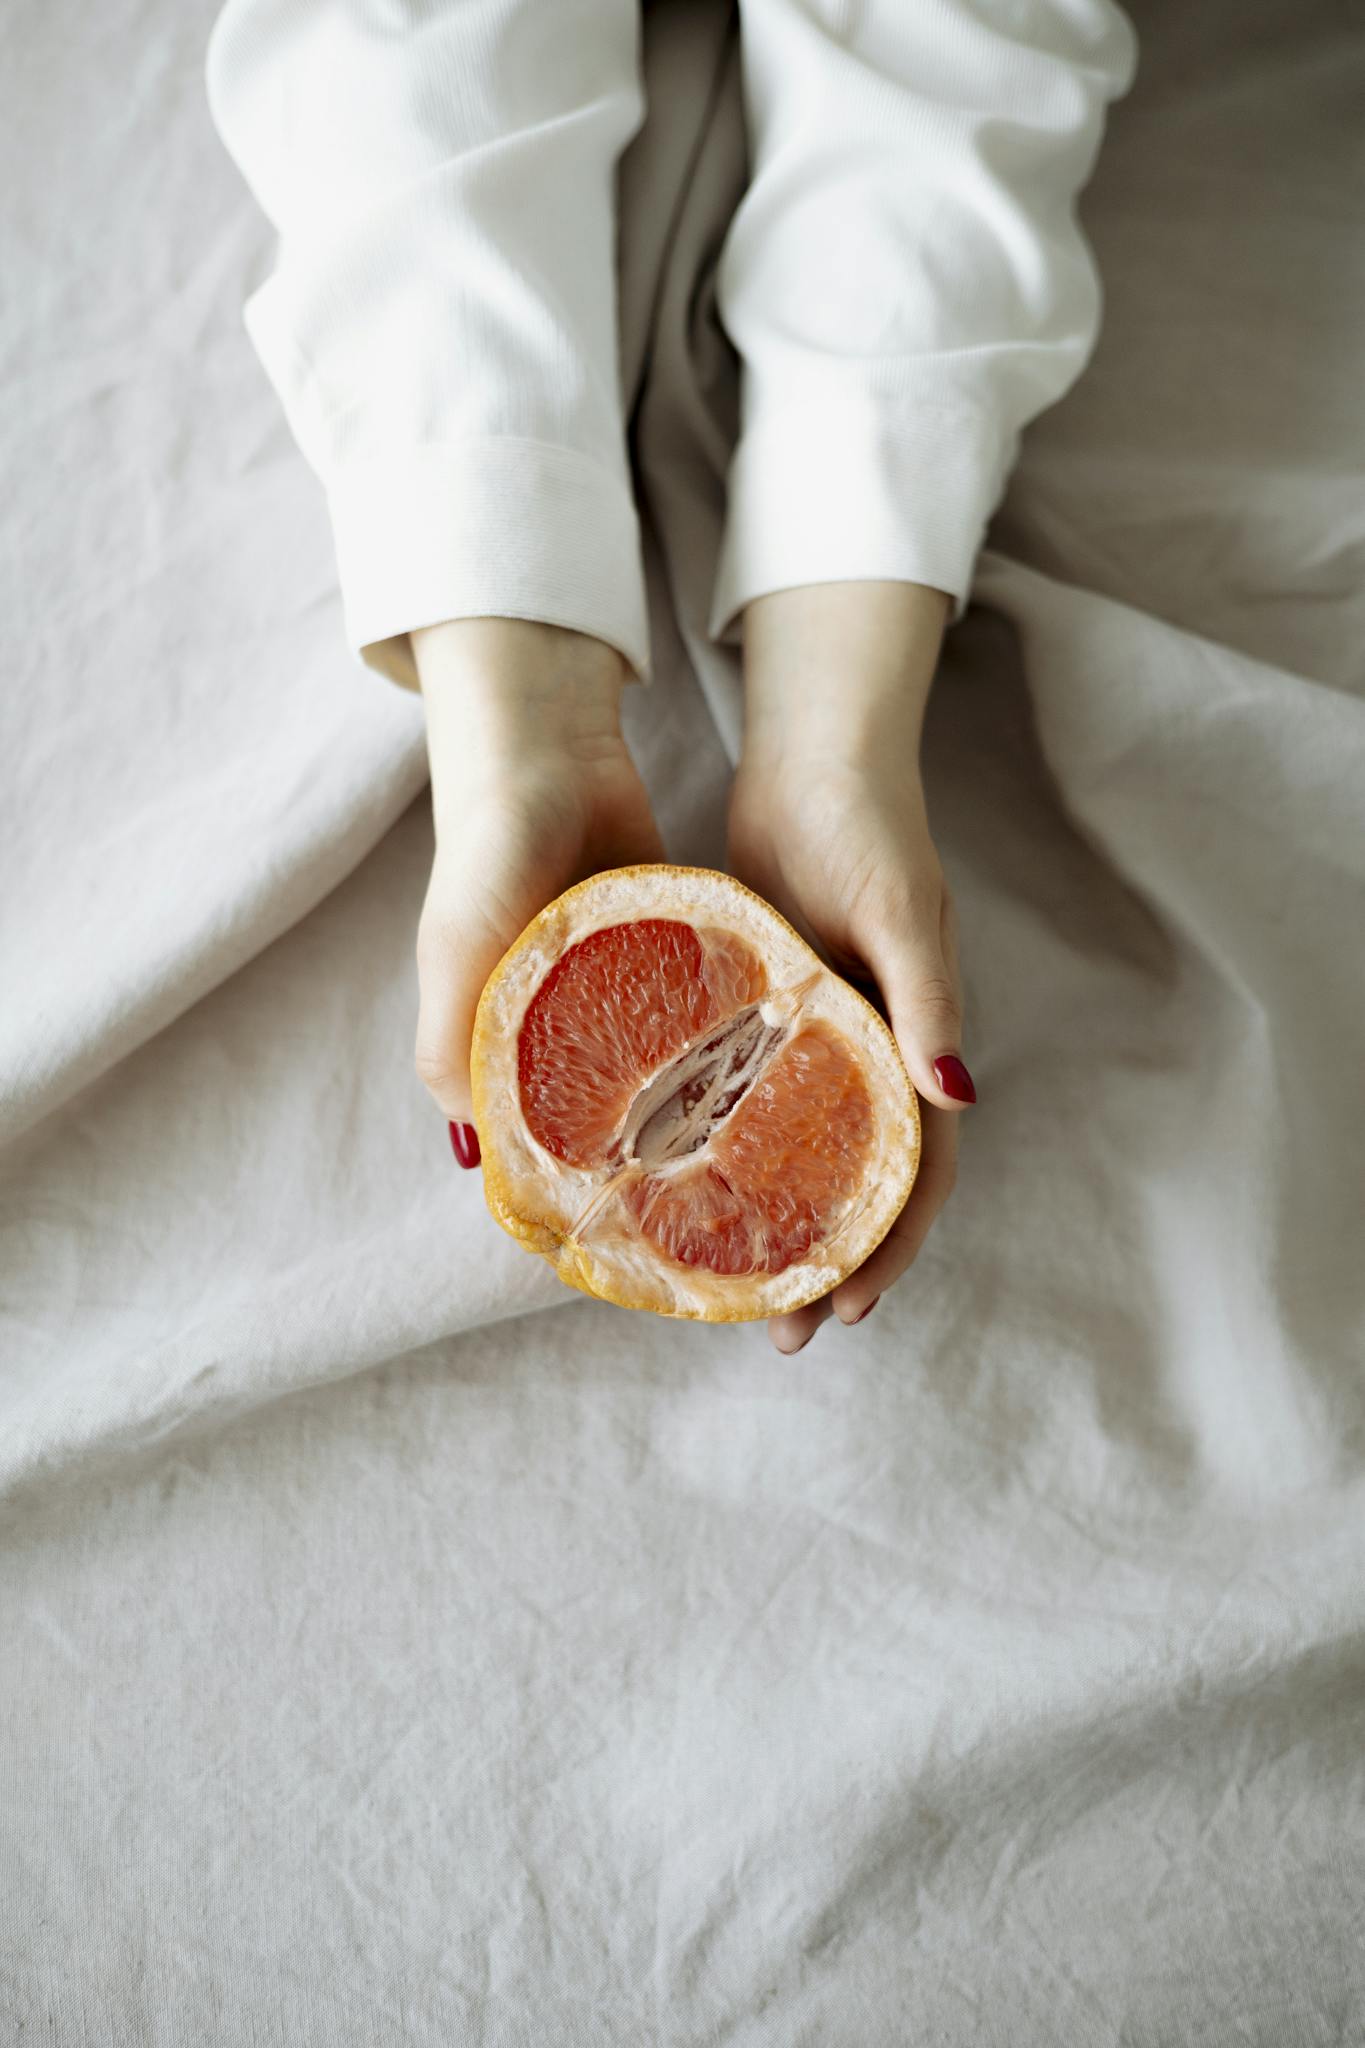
827, 820
532, 790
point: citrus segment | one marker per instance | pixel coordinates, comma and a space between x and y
732, 970
616, 1006
779, 1172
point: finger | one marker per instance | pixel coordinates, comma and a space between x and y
792, 1332
898, 1249
947, 933
912, 952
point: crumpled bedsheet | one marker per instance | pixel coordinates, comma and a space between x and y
396, 1649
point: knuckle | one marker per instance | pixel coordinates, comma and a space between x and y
434, 937
926, 887
935, 999
900, 902
435, 1068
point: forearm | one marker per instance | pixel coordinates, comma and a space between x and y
441, 321
905, 280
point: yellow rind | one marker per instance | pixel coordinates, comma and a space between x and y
573, 1262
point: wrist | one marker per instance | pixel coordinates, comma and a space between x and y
516, 692
840, 672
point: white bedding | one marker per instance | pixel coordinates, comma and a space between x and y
396, 1649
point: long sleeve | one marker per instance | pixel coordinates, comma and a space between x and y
441, 321
905, 280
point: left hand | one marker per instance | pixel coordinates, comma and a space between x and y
828, 822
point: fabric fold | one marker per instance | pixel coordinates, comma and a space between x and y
499, 527
840, 493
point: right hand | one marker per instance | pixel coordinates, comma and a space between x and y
532, 788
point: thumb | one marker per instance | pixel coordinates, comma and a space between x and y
482, 895
457, 950
914, 959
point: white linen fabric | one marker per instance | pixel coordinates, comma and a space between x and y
904, 281
394, 1648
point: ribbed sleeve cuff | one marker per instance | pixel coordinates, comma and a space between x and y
838, 495
496, 528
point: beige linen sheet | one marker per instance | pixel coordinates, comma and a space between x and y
394, 1649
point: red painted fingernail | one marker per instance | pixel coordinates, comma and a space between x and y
464, 1143
953, 1078
867, 1311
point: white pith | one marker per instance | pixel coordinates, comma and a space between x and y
567, 1202
659, 1131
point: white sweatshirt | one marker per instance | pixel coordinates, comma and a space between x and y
904, 281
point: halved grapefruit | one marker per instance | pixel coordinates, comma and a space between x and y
681, 1107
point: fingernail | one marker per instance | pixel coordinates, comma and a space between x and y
464, 1143
862, 1318
953, 1078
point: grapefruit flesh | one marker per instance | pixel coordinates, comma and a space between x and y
618, 1006
683, 1108
785, 1161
